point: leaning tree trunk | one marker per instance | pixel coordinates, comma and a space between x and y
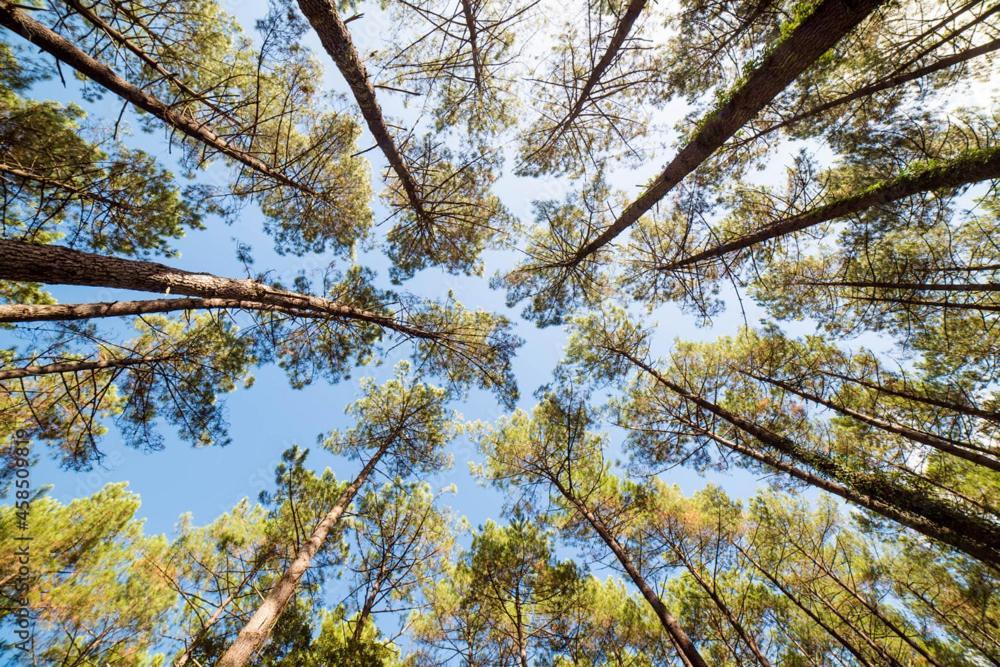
56, 265
906, 286
58, 312
814, 36
918, 523
16, 20
722, 607
971, 167
622, 30
975, 536
955, 448
79, 367
815, 618
336, 39
686, 648
970, 410
257, 630
872, 607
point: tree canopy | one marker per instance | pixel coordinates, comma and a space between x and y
677, 326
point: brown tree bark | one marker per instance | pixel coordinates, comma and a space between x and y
56, 265
470, 24
917, 287
970, 168
922, 303
78, 367
685, 647
255, 633
94, 19
18, 312
975, 536
959, 449
622, 30
816, 34
16, 20
336, 39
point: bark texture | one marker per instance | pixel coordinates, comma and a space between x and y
971, 168
686, 648
336, 39
257, 630
822, 29
16, 20
56, 265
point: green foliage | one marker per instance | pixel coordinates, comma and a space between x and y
403, 415
504, 601
90, 562
261, 100
459, 216
890, 403
551, 280
70, 182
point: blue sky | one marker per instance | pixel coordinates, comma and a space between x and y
270, 416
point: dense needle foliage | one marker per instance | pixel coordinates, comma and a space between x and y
807, 189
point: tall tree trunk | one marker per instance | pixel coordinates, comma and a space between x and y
183, 658
336, 39
622, 30
971, 167
79, 367
918, 523
955, 448
722, 607
18, 312
16, 20
814, 36
56, 265
974, 535
689, 654
95, 19
872, 607
522, 644
806, 610
470, 24
257, 630
969, 410
917, 287
926, 303
884, 84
